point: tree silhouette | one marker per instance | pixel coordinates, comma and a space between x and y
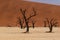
51, 23
20, 22
26, 20
33, 23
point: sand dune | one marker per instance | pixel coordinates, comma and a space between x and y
9, 10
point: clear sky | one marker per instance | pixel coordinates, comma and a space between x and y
54, 2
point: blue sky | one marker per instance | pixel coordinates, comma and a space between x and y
54, 2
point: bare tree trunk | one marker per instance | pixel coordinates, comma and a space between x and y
21, 25
51, 29
27, 27
33, 26
26, 22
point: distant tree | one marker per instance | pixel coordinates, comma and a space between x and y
20, 22
33, 23
26, 19
51, 23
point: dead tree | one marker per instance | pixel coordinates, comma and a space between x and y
25, 17
33, 23
51, 23
20, 22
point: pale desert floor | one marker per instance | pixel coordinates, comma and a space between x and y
15, 33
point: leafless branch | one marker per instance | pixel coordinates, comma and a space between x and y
23, 11
34, 11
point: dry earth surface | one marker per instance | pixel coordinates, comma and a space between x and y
39, 33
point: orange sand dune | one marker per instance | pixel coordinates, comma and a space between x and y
9, 11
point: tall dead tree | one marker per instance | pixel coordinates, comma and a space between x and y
51, 23
23, 11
